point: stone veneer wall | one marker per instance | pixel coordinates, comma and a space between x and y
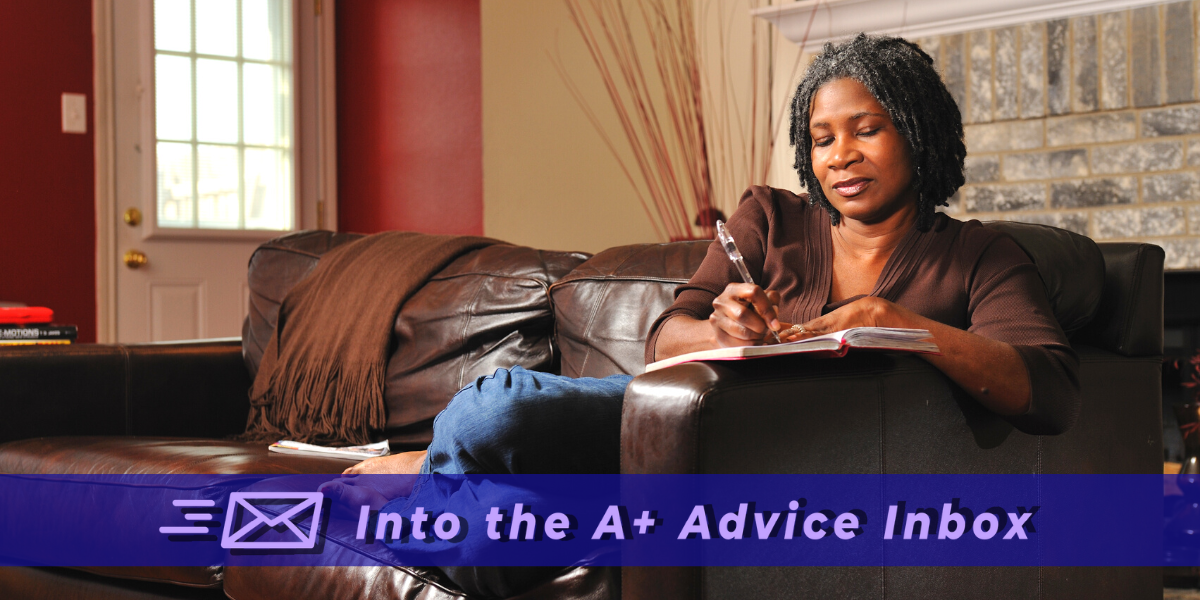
1090, 124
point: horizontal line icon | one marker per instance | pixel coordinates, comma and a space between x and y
182, 530
193, 503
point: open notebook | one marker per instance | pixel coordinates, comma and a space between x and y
830, 344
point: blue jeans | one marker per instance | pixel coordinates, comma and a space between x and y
525, 422
518, 422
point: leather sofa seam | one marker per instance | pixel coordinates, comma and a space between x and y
127, 392
555, 358
564, 281
428, 581
698, 432
198, 586
588, 330
1138, 270
440, 277
879, 395
70, 477
288, 250
1106, 359
464, 333
1041, 567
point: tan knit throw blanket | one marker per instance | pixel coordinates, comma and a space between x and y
322, 375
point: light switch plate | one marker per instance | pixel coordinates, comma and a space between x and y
74, 113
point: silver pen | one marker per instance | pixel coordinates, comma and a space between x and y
736, 257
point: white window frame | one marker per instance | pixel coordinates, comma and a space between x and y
314, 162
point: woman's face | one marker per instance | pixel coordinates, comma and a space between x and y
859, 157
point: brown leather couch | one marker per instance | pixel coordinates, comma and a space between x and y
169, 408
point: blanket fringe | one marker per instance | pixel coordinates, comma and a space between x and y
304, 405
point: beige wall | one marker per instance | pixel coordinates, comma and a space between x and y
790, 63
548, 179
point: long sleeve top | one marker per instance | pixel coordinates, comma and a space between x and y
958, 273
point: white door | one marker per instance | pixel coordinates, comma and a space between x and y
212, 126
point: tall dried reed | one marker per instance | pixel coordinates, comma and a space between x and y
696, 140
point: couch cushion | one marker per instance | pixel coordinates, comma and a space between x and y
488, 309
302, 583
604, 308
144, 455
61, 497
318, 583
108, 455
28, 583
365, 570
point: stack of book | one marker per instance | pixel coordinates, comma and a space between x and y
33, 326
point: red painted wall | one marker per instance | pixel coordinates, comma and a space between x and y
410, 116
47, 202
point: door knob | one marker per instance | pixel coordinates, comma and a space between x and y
133, 216
135, 259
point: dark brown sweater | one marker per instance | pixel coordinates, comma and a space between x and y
960, 274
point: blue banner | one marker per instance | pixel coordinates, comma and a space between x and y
614, 520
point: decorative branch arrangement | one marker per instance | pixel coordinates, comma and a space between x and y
695, 147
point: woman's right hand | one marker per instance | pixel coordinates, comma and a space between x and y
745, 315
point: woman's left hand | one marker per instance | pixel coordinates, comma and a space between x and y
869, 311
1002, 387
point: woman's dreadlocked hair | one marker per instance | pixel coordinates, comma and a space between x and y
902, 78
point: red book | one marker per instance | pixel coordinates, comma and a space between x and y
25, 315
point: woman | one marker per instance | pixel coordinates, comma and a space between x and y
878, 142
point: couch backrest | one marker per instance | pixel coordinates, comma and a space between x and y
509, 305
1071, 267
604, 308
488, 309
275, 268
1129, 320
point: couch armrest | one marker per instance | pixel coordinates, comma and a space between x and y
877, 413
865, 414
196, 388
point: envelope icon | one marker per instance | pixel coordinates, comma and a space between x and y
293, 505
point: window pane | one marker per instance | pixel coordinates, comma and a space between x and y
173, 97
268, 189
216, 100
266, 29
174, 185
267, 105
217, 186
220, 105
173, 25
216, 27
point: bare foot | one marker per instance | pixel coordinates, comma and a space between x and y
393, 464
384, 478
